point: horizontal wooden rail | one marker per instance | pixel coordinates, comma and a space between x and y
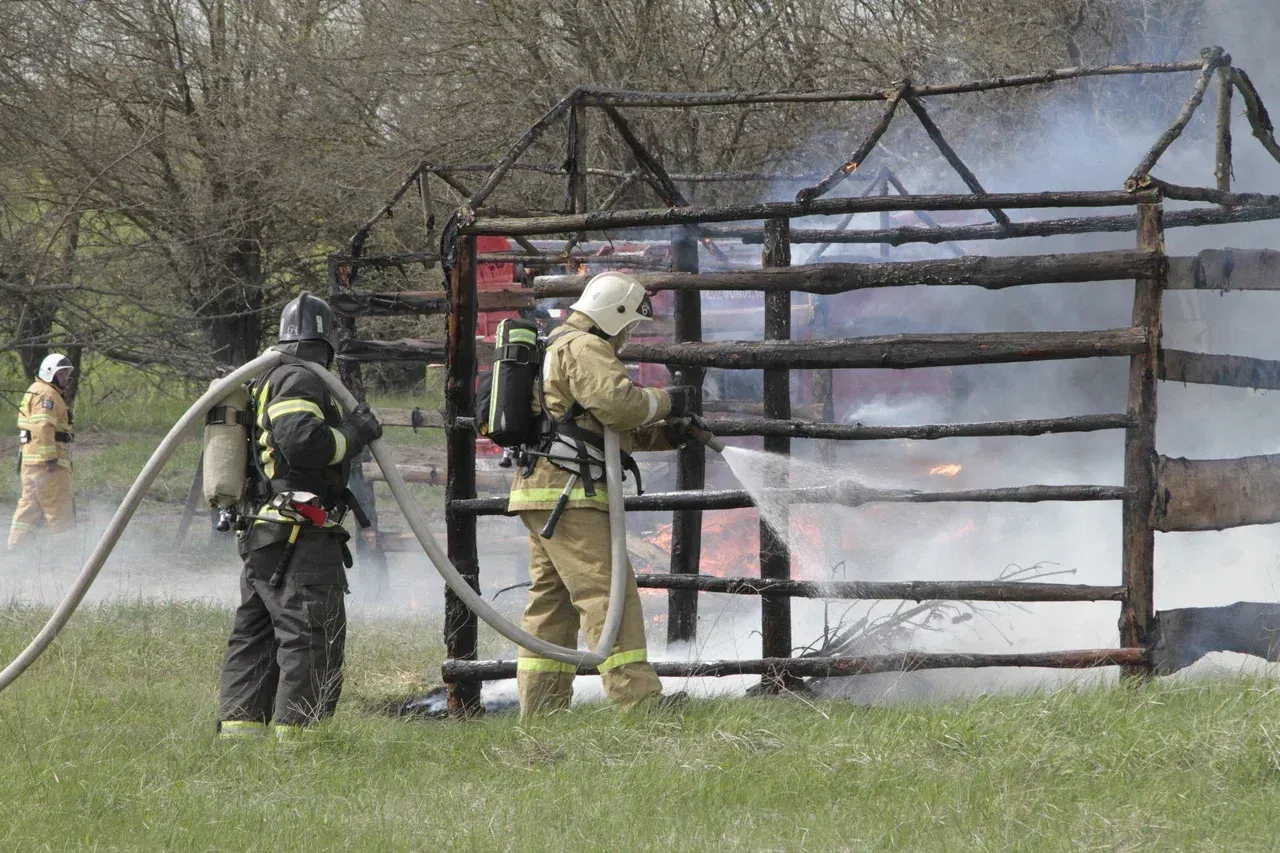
841, 494
407, 350
992, 273
356, 304
893, 351
886, 591
995, 231
426, 418
692, 215
1234, 371
599, 97
727, 427
493, 670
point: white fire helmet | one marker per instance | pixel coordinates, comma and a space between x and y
53, 364
614, 301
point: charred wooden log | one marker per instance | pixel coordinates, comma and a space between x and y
837, 177
1235, 371
992, 273
726, 428
406, 350
521, 145
894, 351
453, 671
1214, 58
949, 153
600, 96
425, 302
1256, 111
995, 231
1138, 512
606, 220
1222, 167
1224, 199
843, 494
886, 591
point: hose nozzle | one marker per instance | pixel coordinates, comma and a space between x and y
706, 436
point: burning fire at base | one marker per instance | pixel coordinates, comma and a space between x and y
949, 469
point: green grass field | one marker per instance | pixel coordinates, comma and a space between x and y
107, 744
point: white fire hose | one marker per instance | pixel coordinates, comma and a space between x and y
412, 513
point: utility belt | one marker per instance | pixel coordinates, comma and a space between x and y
302, 511
24, 437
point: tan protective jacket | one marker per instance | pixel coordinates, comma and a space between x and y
45, 419
580, 366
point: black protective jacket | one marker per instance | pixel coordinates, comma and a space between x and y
298, 442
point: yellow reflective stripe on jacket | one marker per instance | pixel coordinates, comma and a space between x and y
294, 407
539, 495
339, 446
618, 659
543, 665
42, 419
268, 456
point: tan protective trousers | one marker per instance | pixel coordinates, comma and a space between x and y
570, 589
46, 495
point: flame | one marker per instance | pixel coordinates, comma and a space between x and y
948, 470
731, 542
956, 533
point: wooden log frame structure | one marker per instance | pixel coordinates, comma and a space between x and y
1156, 493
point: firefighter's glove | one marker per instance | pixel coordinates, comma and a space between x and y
677, 431
361, 427
682, 399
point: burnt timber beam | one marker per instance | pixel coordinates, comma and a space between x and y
600, 96
1222, 161
992, 273
1234, 371
843, 494
995, 231
894, 351
1256, 112
453, 671
887, 590
851, 165
1214, 58
427, 302
410, 350
1213, 196
491, 181
775, 553
694, 215
461, 628
691, 460
966, 174
729, 427
1137, 615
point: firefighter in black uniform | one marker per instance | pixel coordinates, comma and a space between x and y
284, 658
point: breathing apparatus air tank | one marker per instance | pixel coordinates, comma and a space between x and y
504, 404
226, 454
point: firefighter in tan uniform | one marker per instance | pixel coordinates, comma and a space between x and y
44, 432
585, 386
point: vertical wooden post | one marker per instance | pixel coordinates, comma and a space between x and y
460, 626
775, 555
822, 381
885, 221
1138, 547
576, 161
691, 461
1222, 163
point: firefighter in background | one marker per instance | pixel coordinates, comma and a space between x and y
44, 434
284, 657
585, 385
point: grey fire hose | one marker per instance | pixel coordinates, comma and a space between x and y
412, 513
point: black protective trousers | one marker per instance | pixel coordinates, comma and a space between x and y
284, 657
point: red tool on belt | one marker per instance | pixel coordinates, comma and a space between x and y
302, 507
